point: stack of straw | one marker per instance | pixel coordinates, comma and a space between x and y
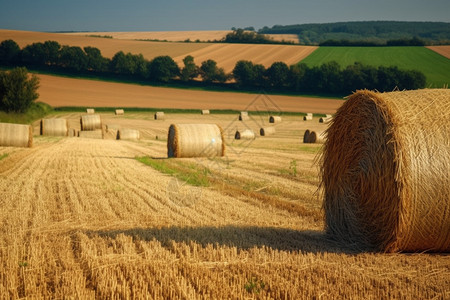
16, 135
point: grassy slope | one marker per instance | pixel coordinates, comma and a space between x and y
37, 110
435, 67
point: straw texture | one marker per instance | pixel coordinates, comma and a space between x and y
308, 117
274, 119
54, 127
267, 131
244, 135
112, 127
72, 132
120, 112
16, 135
195, 140
93, 134
128, 134
90, 122
159, 115
386, 171
90, 111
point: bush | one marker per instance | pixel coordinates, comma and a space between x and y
18, 90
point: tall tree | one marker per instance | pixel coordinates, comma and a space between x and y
18, 90
190, 70
9, 52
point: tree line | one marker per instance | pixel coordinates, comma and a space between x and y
329, 78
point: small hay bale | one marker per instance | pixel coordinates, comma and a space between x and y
308, 117
326, 119
159, 115
72, 132
205, 111
111, 127
195, 140
93, 134
128, 134
385, 171
90, 111
243, 116
16, 135
306, 136
119, 112
244, 135
54, 127
314, 138
274, 119
265, 131
90, 122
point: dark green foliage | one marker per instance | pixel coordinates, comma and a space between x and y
278, 74
248, 74
190, 70
211, 73
9, 52
163, 68
18, 90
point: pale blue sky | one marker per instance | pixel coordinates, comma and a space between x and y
163, 15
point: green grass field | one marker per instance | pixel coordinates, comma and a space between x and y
435, 67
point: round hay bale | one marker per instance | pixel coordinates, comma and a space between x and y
90, 111
267, 131
325, 119
243, 116
385, 171
205, 111
314, 137
195, 140
306, 136
112, 127
308, 117
274, 119
119, 112
72, 132
16, 135
90, 122
159, 115
244, 135
128, 134
93, 134
54, 127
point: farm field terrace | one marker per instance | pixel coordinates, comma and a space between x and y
83, 218
435, 66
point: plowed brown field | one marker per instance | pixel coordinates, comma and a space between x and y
82, 219
226, 55
60, 91
442, 50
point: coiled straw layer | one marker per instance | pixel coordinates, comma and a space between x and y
54, 127
386, 171
16, 135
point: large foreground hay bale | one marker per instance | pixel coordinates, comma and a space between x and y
128, 134
267, 131
205, 111
90, 111
93, 134
54, 127
195, 140
385, 171
308, 117
16, 135
119, 112
159, 115
274, 119
244, 135
243, 116
90, 122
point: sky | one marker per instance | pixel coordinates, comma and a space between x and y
179, 15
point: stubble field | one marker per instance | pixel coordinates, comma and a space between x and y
83, 219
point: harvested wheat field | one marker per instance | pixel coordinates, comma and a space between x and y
226, 55
442, 50
84, 219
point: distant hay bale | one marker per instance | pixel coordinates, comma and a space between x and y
306, 136
267, 131
54, 127
119, 112
72, 132
159, 115
205, 111
16, 135
308, 117
90, 122
93, 134
244, 135
90, 111
326, 119
313, 137
243, 116
274, 119
385, 171
195, 140
128, 134
112, 127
